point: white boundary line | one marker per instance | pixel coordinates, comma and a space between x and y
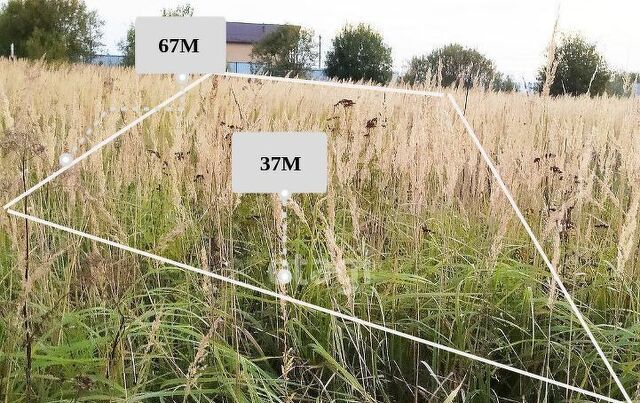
478, 145
334, 84
539, 248
314, 307
108, 140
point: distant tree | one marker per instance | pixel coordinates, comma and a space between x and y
61, 30
127, 47
419, 71
621, 83
503, 83
128, 44
451, 64
185, 10
359, 53
580, 69
289, 49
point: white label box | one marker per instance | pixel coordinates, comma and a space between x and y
267, 162
191, 45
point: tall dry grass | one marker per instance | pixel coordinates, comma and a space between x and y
413, 232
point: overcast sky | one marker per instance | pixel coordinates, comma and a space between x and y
514, 33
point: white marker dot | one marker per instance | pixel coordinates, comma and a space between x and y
284, 196
181, 78
284, 276
65, 159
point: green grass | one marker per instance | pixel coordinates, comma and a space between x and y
133, 335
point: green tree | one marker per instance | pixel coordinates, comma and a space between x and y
127, 47
419, 71
503, 83
359, 53
289, 49
62, 30
579, 69
128, 44
621, 83
452, 64
185, 10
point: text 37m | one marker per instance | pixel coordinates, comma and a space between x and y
280, 164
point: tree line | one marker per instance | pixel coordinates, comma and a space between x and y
65, 30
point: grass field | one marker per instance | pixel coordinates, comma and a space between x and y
413, 233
